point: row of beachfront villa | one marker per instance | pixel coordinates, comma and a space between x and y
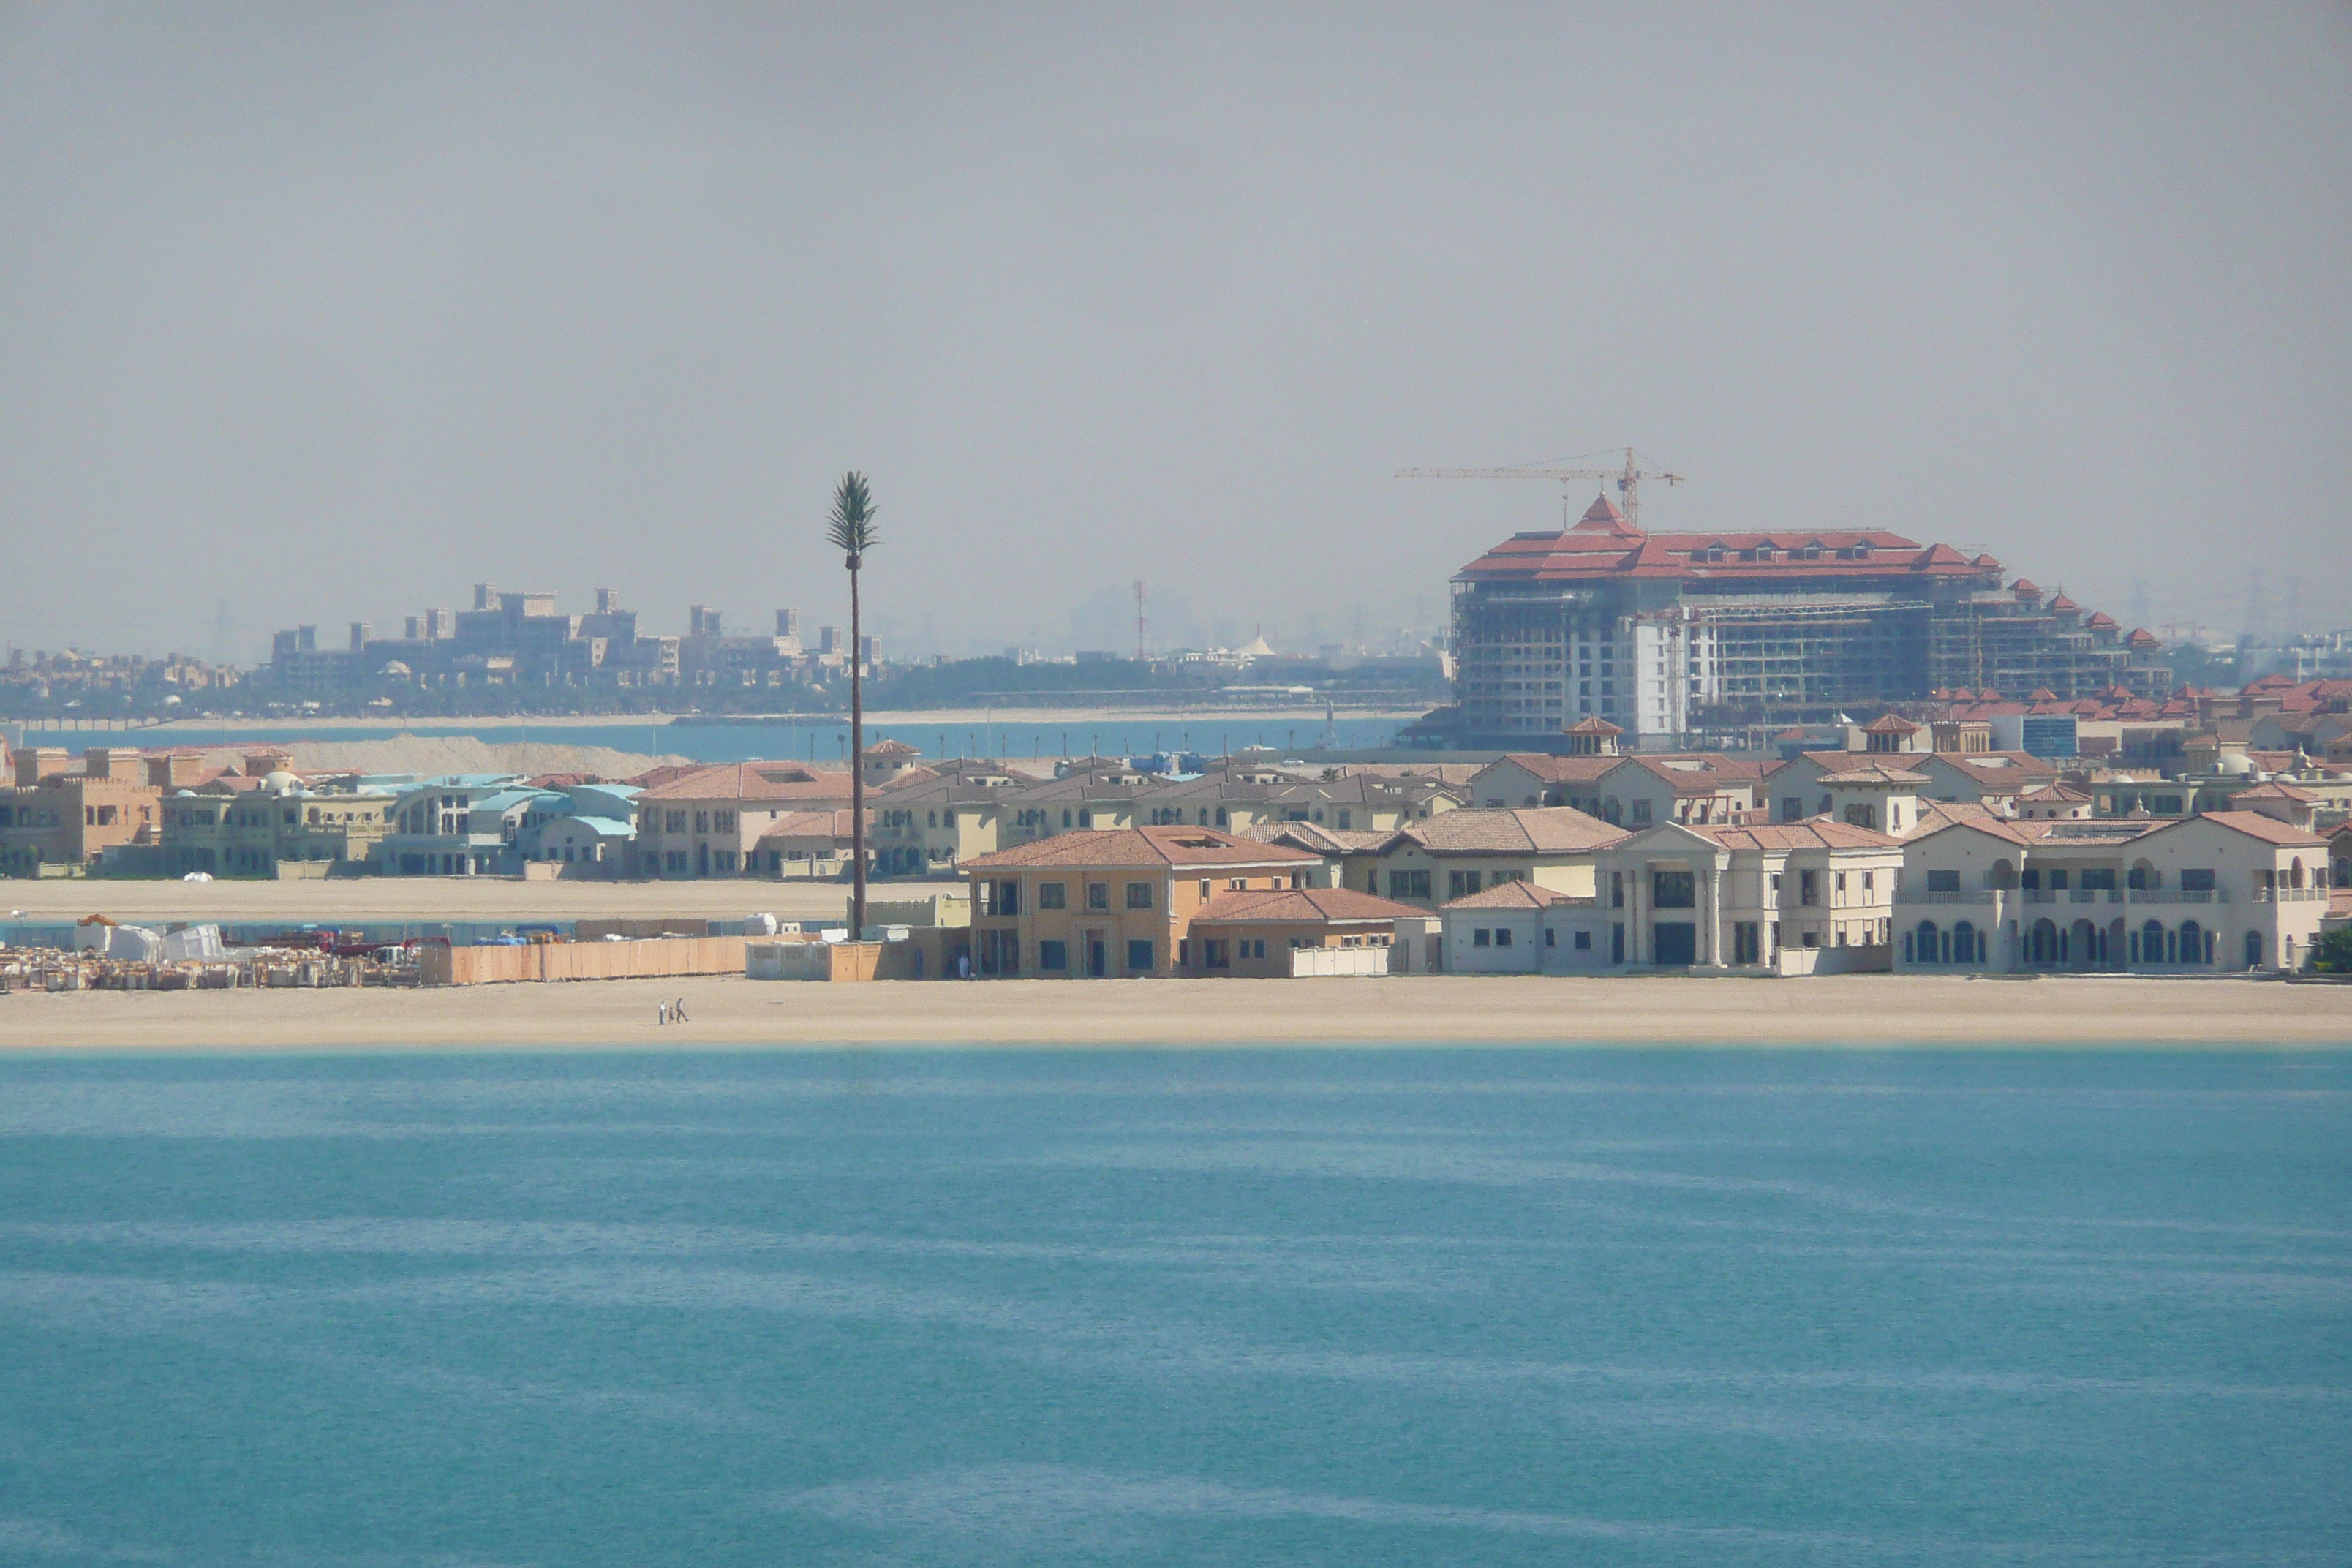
1531, 890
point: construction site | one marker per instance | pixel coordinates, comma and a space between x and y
1695, 640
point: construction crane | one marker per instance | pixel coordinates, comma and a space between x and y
1627, 478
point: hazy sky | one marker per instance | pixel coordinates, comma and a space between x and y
327, 312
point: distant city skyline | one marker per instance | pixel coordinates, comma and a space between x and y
314, 313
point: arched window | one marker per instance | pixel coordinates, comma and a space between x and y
1964, 943
2144, 877
2295, 872
2151, 943
2192, 942
1610, 810
1222, 818
1927, 938
2254, 950
2003, 875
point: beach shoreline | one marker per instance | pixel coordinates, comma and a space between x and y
1844, 1011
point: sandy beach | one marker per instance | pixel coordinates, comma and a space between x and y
437, 899
1850, 1010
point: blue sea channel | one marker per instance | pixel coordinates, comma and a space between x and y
1405, 1307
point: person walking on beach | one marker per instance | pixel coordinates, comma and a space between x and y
661, 1013
678, 1010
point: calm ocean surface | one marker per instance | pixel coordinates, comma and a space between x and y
1329, 1307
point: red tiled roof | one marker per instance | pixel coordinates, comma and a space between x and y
1560, 769
1146, 847
767, 783
1300, 905
1512, 896
834, 824
1594, 725
1538, 830
2254, 824
1600, 546
2273, 789
1814, 833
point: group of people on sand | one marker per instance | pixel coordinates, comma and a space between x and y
672, 1012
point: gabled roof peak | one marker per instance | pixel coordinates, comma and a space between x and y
1602, 517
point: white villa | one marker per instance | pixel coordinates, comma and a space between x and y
2229, 889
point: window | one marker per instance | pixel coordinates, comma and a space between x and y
1085, 819
1204, 889
1408, 884
1053, 955
1641, 811
1461, 884
1809, 888
1097, 895
1943, 881
1051, 896
1502, 936
2197, 879
1551, 937
722, 821
1008, 898
674, 822
1673, 890
1869, 881
674, 860
1792, 808
1481, 937
702, 822
1584, 942
1840, 883
1139, 895
1139, 954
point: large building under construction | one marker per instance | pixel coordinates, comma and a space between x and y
1683, 638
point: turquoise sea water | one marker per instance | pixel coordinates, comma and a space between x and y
1327, 1307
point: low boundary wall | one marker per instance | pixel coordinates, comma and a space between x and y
581, 960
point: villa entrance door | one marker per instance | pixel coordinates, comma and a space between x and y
1673, 942
1097, 962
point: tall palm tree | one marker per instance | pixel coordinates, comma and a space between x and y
851, 530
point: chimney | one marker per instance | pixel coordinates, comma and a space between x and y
35, 764
174, 770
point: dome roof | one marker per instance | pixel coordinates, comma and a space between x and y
282, 782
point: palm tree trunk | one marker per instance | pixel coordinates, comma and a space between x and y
856, 774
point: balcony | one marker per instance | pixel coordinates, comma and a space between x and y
2181, 896
2290, 895
1943, 896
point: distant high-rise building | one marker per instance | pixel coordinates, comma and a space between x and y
869, 650
360, 632
828, 639
788, 623
701, 621
1678, 636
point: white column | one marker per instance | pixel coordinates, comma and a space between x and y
1710, 950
